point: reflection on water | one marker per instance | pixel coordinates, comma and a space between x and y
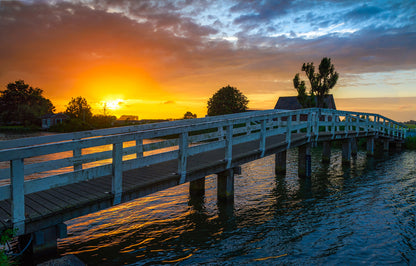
350, 215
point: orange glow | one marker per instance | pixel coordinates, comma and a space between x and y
120, 89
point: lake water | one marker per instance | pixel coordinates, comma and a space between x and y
362, 214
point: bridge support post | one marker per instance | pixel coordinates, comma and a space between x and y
42, 243
280, 162
386, 145
354, 146
346, 151
398, 146
197, 187
370, 146
225, 185
304, 161
326, 152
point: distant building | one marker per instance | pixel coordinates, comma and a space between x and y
128, 118
292, 103
53, 119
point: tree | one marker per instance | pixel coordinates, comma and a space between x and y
227, 100
79, 108
320, 82
189, 115
23, 104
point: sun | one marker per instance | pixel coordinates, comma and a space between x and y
113, 105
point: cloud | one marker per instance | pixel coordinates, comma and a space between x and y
187, 50
169, 102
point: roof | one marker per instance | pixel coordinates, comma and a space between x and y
292, 103
54, 116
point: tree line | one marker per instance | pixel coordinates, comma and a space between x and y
23, 105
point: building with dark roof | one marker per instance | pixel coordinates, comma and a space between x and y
53, 119
292, 103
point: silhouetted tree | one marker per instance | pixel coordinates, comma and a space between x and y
189, 115
320, 82
79, 108
23, 104
227, 100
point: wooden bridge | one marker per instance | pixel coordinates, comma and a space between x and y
50, 179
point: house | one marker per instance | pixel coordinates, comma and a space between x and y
128, 118
292, 103
53, 119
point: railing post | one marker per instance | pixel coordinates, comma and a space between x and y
17, 178
117, 177
229, 145
347, 124
317, 118
333, 126
263, 137
139, 148
357, 129
298, 122
183, 156
289, 131
77, 153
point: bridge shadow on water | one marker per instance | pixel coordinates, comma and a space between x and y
272, 219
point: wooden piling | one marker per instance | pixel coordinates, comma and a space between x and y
197, 187
346, 151
280, 162
304, 161
326, 152
225, 185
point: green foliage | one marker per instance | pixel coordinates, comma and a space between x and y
71, 125
189, 115
22, 104
320, 82
227, 100
5, 236
103, 121
79, 108
410, 143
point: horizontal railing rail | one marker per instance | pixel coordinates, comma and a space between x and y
41, 163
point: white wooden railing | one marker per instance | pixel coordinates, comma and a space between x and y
41, 163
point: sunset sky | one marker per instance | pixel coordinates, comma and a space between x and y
159, 59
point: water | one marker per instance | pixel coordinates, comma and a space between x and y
363, 214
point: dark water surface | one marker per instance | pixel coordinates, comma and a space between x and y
363, 214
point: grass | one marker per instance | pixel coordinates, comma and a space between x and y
410, 143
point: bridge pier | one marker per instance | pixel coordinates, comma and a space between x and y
386, 145
197, 187
326, 152
42, 243
346, 151
354, 146
280, 162
398, 146
225, 185
304, 161
370, 146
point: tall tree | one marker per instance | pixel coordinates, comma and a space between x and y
227, 100
321, 82
23, 104
79, 108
